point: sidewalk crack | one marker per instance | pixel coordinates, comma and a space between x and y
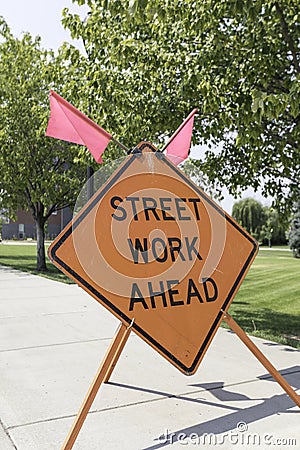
6, 431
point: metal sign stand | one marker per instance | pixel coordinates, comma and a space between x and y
109, 362
114, 351
261, 358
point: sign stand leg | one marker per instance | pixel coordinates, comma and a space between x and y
261, 358
109, 362
117, 354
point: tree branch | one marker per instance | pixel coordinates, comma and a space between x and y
50, 211
287, 36
30, 202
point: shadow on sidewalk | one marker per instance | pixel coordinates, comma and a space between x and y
268, 407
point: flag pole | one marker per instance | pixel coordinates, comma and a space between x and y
179, 129
122, 146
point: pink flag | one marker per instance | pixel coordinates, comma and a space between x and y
179, 144
69, 124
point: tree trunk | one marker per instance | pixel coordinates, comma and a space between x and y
40, 236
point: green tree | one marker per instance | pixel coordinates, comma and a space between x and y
149, 63
249, 213
37, 173
200, 179
274, 228
294, 234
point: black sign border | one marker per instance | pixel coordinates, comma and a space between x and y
74, 224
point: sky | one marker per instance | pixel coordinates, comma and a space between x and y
43, 18
40, 17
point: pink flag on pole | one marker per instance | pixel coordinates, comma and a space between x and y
179, 144
69, 124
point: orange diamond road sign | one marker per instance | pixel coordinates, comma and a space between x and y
152, 246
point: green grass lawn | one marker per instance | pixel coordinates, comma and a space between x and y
23, 257
267, 304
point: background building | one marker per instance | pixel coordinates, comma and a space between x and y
24, 226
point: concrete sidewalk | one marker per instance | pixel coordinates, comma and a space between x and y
52, 339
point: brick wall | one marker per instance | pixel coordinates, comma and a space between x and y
24, 226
